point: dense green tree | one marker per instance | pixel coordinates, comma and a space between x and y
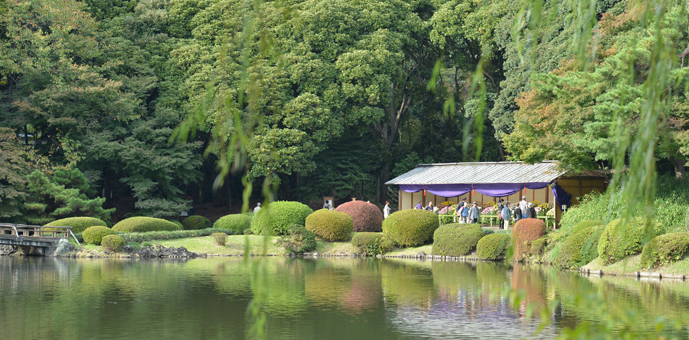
14, 167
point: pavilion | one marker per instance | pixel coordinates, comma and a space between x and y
489, 181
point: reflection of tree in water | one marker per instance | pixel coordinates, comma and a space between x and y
406, 282
366, 290
531, 280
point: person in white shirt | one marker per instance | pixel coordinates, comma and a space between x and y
258, 207
386, 210
523, 206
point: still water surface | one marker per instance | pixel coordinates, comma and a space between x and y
331, 298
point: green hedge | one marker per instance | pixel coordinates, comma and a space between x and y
196, 222
411, 227
665, 249
276, 217
365, 216
493, 246
94, 235
330, 225
169, 235
78, 224
177, 223
235, 222
112, 242
372, 243
299, 240
220, 238
526, 231
143, 224
456, 239
619, 239
581, 247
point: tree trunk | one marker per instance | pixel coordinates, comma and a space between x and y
679, 167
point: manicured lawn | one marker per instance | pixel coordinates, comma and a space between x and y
234, 245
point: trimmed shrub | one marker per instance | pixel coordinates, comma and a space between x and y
143, 224
177, 223
235, 222
538, 246
493, 246
278, 216
487, 231
372, 243
112, 243
147, 244
365, 216
170, 235
330, 225
94, 235
665, 249
220, 238
299, 240
456, 239
78, 224
619, 239
248, 231
134, 245
196, 222
580, 248
526, 231
410, 227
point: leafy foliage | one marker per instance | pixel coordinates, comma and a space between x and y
330, 225
141, 224
526, 231
366, 216
665, 249
112, 243
622, 238
235, 222
220, 238
78, 224
13, 170
276, 218
456, 239
48, 200
94, 235
581, 246
168, 235
195, 222
410, 228
493, 247
299, 240
372, 244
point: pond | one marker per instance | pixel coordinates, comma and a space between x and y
327, 298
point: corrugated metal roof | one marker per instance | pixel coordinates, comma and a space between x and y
480, 172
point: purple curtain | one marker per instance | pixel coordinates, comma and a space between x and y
562, 197
492, 189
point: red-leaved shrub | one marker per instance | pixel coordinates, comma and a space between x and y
526, 231
366, 216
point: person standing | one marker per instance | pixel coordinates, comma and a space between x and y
473, 213
429, 207
465, 213
419, 206
506, 215
531, 211
523, 206
258, 207
499, 211
517, 214
327, 205
386, 210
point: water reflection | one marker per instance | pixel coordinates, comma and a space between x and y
329, 298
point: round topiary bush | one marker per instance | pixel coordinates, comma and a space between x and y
196, 222
78, 224
621, 239
366, 216
580, 248
411, 227
143, 224
299, 240
456, 239
372, 243
276, 217
526, 231
330, 225
94, 235
112, 242
177, 223
220, 238
235, 222
493, 246
665, 249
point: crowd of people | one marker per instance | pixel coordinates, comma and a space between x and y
466, 213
